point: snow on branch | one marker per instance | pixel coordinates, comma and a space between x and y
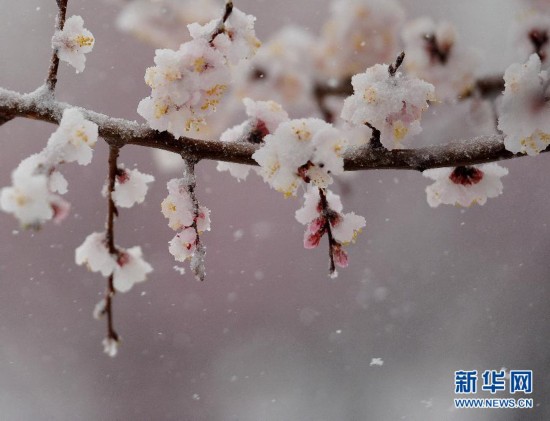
120, 132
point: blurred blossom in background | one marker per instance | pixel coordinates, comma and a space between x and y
268, 336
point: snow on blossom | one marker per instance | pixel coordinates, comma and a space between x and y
393, 104
465, 185
524, 115
130, 269
186, 86
282, 70
434, 55
359, 34
264, 118
130, 187
306, 149
183, 245
237, 39
531, 33
28, 200
73, 42
74, 139
179, 209
344, 227
110, 347
163, 23
31, 198
93, 253
126, 265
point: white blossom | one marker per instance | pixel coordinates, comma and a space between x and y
304, 149
73, 42
344, 226
237, 40
531, 34
264, 118
163, 23
391, 104
464, 186
130, 269
282, 70
183, 245
525, 111
74, 139
93, 252
359, 34
130, 187
434, 55
28, 200
110, 347
186, 86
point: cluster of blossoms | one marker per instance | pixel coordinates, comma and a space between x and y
525, 109
464, 186
32, 198
389, 102
359, 34
73, 42
163, 23
322, 213
189, 220
434, 56
264, 118
125, 265
189, 83
282, 71
308, 150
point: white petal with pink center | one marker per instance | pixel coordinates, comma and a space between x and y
73, 42
464, 186
93, 253
130, 269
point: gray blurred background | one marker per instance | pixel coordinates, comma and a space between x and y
268, 336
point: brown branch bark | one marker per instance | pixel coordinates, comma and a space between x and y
119, 132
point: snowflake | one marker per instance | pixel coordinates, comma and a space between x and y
393, 104
359, 34
464, 186
525, 111
434, 55
305, 149
73, 42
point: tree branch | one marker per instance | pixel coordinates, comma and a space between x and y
119, 132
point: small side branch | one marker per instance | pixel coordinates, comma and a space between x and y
197, 259
110, 238
51, 79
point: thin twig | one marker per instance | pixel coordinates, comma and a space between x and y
110, 238
325, 211
220, 29
197, 260
51, 80
120, 132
